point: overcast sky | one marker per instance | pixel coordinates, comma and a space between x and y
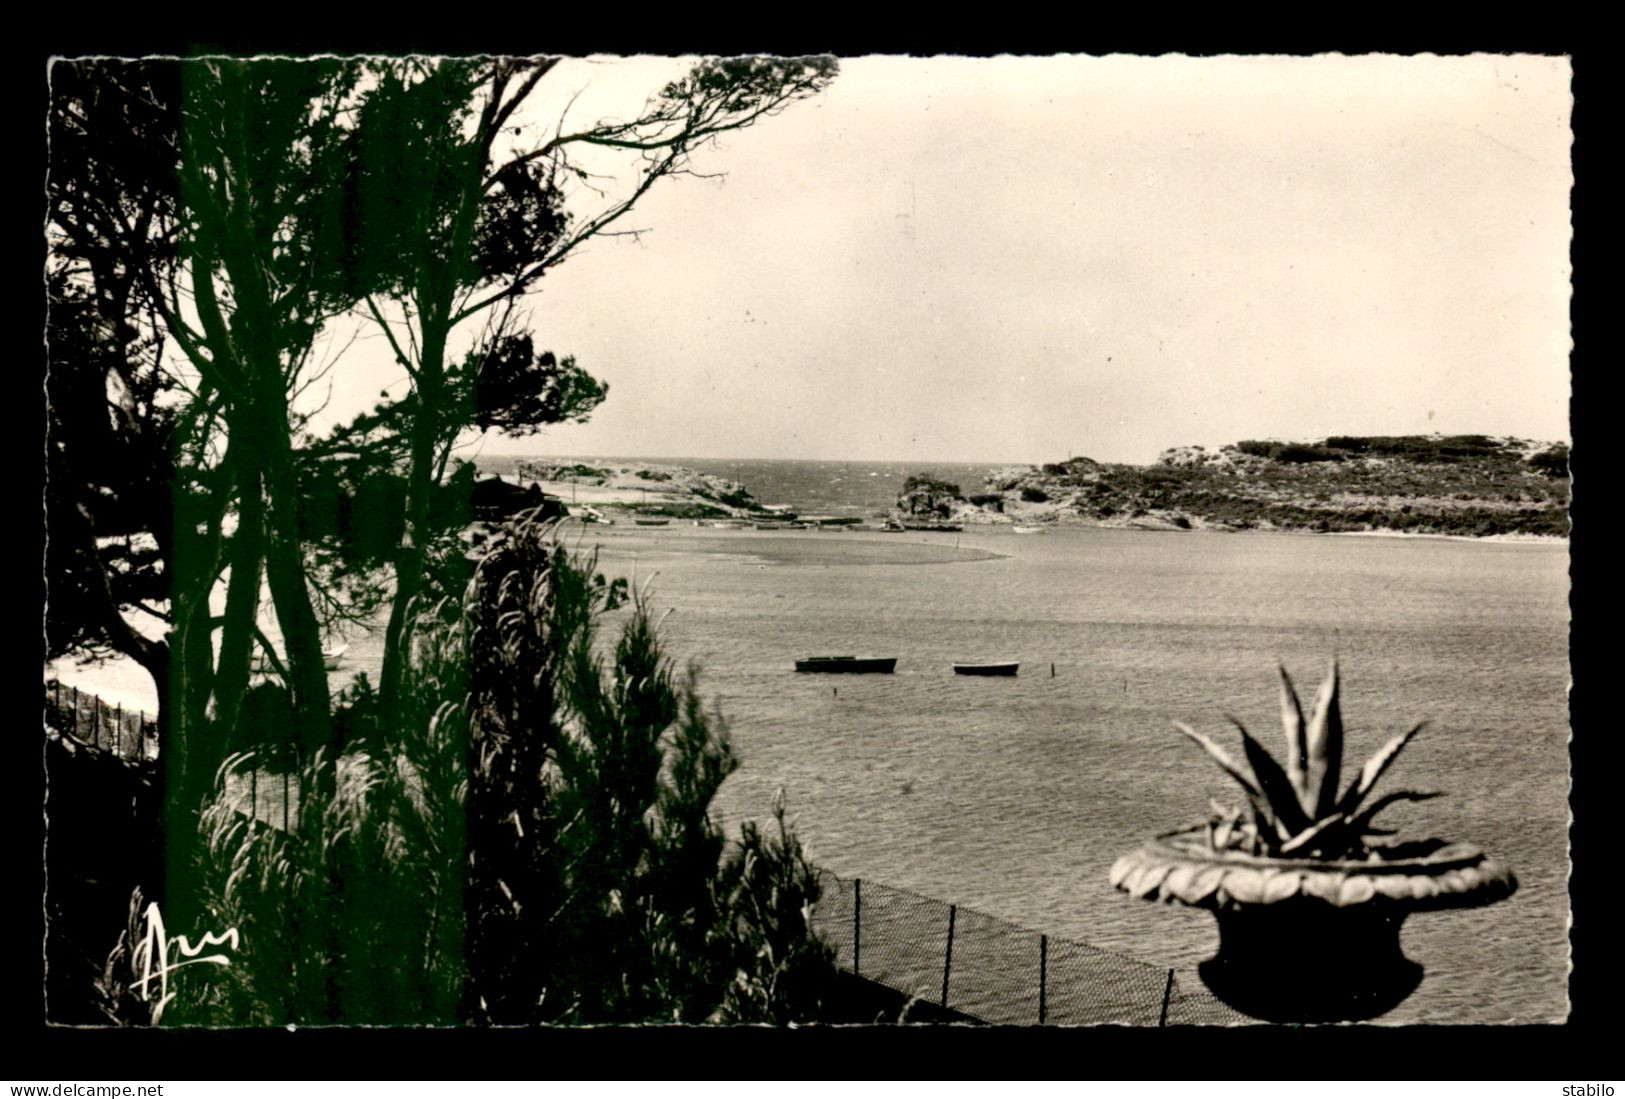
1023, 259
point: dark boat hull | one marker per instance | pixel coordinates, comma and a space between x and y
986, 669
848, 665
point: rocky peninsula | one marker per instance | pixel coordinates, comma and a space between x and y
1469, 485
631, 490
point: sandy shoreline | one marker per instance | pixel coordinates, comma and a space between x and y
1528, 539
808, 547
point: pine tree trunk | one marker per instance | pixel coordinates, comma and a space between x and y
410, 556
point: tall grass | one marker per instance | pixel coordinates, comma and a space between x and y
354, 914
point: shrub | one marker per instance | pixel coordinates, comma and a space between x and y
1297, 452
1553, 462
536, 821
927, 482
612, 771
1033, 494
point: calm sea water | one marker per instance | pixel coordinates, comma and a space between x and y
814, 488
1014, 796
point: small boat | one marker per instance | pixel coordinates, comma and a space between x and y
1027, 530
848, 664
1003, 668
933, 526
652, 522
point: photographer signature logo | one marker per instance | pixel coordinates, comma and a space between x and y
158, 956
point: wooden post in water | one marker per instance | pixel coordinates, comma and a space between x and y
948, 955
1052, 670
1167, 992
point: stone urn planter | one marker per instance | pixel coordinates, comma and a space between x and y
1308, 900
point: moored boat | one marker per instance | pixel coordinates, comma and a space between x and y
1019, 529
994, 668
848, 664
652, 522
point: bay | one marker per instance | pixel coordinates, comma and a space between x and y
1014, 796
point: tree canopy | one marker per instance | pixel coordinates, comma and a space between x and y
211, 222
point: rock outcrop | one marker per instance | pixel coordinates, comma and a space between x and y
928, 497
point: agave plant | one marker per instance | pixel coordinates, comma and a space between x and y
1297, 810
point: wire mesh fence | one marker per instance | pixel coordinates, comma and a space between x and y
128, 734
967, 961
998, 972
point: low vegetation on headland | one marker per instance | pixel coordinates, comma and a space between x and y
1471, 485
627, 490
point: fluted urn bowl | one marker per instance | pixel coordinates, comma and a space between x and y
1311, 940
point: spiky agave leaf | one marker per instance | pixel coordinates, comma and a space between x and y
1362, 784
1361, 825
1296, 750
1260, 804
1288, 816
1324, 829
1323, 747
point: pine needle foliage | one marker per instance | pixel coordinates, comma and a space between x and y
530, 842
631, 907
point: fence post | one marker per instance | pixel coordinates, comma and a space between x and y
76, 713
286, 783
857, 922
1167, 992
254, 797
95, 721
118, 730
948, 956
1043, 976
